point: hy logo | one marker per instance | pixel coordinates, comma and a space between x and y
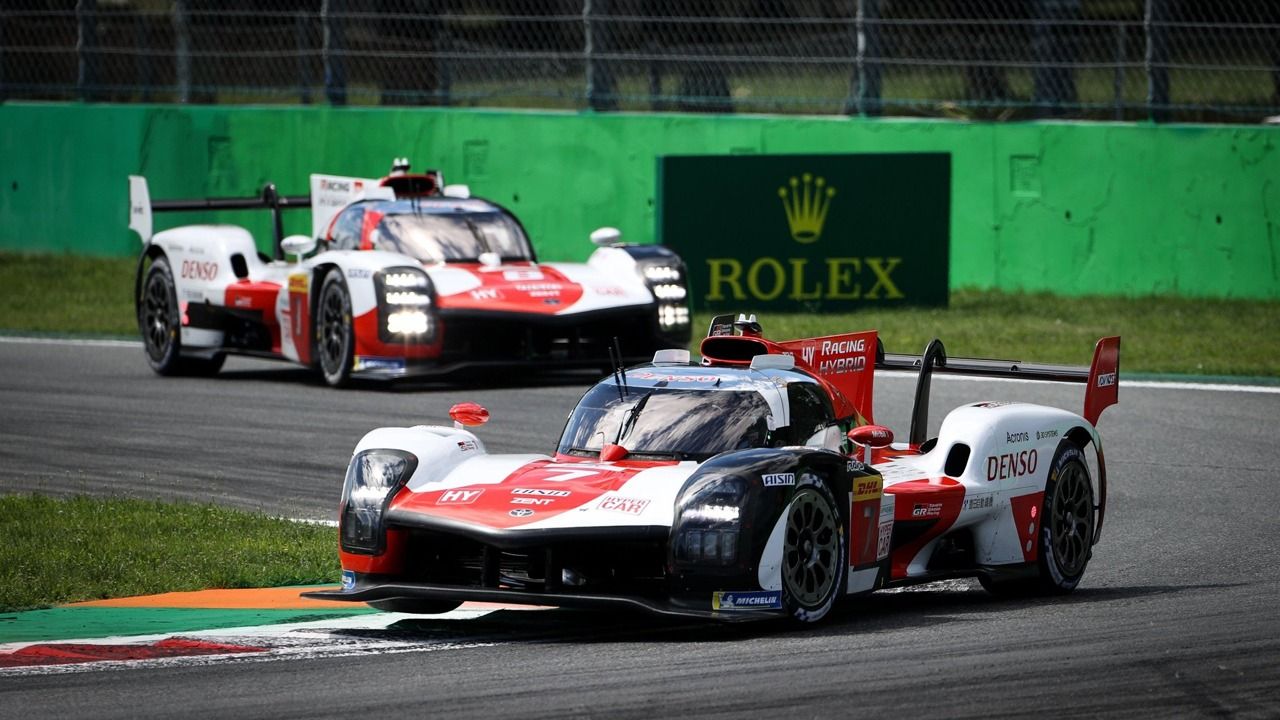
806, 201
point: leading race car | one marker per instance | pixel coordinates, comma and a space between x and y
752, 484
413, 277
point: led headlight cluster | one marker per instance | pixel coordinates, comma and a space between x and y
665, 278
406, 311
708, 517
373, 477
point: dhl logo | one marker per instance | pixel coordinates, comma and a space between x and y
868, 488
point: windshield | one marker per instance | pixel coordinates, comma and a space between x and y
680, 424
455, 237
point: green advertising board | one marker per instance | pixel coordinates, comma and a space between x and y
808, 233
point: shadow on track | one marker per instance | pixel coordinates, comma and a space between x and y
492, 380
913, 608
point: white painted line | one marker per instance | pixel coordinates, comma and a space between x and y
309, 521
82, 342
1146, 384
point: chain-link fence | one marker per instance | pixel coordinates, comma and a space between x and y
1104, 59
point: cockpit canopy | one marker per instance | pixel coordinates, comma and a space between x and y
432, 231
655, 423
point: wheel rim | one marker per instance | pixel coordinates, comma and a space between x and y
811, 549
157, 318
333, 331
1072, 520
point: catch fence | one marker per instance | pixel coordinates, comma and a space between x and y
1183, 60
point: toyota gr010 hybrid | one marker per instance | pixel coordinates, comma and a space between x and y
751, 484
412, 277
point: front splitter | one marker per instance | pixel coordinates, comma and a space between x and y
390, 591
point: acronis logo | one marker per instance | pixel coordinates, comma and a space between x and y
806, 200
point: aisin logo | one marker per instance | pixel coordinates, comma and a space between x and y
806, 202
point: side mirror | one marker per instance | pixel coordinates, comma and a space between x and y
469, 414
606, 237
298, 245
870, 436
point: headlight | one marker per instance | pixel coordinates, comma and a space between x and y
665, 278
405, 279
373, 477
661, 273
708, 518
405, 306
408, 322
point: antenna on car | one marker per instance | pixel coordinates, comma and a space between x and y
617, 383
619, 373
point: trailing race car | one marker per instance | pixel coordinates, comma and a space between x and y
750, 485
413, 277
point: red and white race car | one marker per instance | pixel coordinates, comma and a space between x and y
413, 277
752, 484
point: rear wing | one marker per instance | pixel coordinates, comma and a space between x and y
1101, 378
141, 207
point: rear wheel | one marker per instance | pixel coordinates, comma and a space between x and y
160, 323
813, 552
1065, 533
335, 344
415, 606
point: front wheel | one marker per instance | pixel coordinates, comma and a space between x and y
335, 344
814, 554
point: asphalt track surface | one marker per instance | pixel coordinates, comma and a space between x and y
1178, 614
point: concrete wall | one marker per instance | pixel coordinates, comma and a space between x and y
1061, 207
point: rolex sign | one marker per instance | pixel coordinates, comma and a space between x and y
805, 233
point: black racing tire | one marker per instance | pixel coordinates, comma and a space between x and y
815, 554
416, 606
334, 336
159, 319
1066, 529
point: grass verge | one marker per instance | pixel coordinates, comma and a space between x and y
67, 550
1158, 334
67, 294
93, 296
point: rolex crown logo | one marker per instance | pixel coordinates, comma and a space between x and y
806, 201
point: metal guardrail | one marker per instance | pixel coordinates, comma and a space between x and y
1189, 60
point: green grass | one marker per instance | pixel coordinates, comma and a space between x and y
67, 294
92, 296
1158, 334
67, 550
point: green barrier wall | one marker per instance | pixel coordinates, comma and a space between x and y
1062, 207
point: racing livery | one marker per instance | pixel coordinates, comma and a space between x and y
752, 484
412, 277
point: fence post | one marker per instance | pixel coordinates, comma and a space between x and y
600, 85
1118, 79
3, 44
444, 50
182, 50
86, 49
868, 50
304, 59
1054, 86
1155, 23
335, 74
